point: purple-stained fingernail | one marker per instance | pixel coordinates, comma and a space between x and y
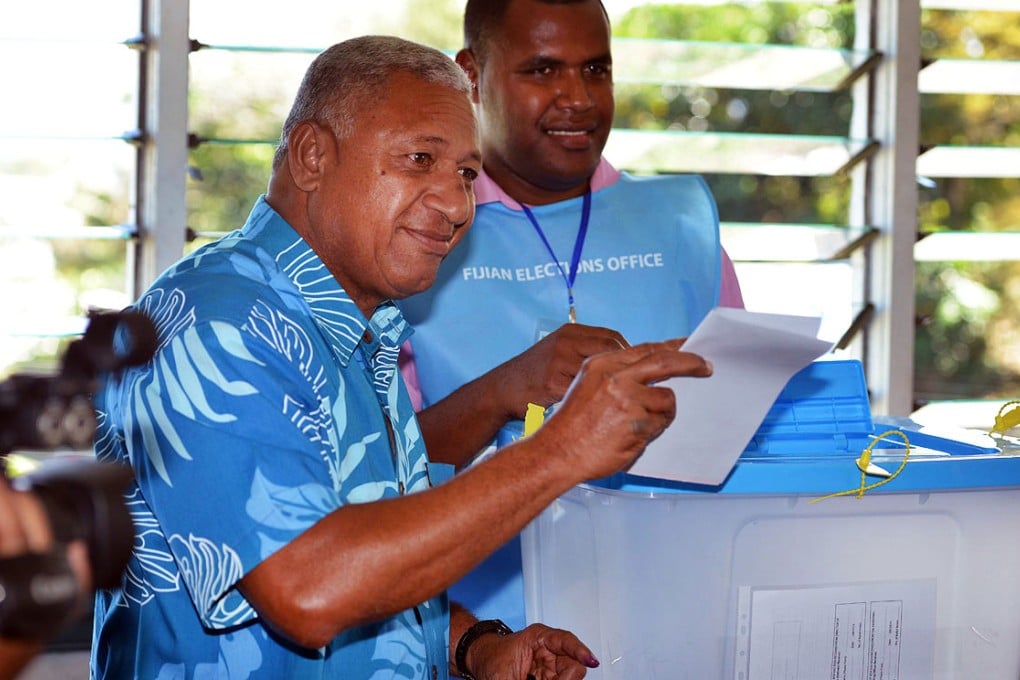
592, 662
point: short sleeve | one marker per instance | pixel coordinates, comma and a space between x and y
227, 431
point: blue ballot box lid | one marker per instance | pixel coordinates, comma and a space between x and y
820, 424
823, 409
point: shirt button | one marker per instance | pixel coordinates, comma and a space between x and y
367, 337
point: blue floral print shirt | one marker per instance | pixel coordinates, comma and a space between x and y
271, 402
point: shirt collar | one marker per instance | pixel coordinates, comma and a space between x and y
334, 312
487, 191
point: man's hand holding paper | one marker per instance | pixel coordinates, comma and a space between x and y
753, 355
615, 406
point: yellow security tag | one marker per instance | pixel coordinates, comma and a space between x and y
866, 467
869, 468
1007, 418
533, 418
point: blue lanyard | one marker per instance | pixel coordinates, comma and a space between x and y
575, 259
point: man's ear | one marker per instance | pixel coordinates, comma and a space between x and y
306, 153
466, 59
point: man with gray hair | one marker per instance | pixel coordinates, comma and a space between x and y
289, 521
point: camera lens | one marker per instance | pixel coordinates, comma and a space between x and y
84, 500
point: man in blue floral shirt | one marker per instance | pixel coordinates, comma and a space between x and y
289, 523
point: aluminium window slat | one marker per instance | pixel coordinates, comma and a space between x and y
729, 153
689, 62
738, 65
708, 152
793, 242
71, 88
969, 161
973, 5
970, 76
968, 246
120, 232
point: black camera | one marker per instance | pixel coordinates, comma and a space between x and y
83, 498
44, 412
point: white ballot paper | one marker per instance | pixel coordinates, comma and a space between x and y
753, 356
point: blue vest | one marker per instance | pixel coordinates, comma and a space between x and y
650, 269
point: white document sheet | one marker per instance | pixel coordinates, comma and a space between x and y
867, 631
753, 355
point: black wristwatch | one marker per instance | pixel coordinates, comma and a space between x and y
477, 630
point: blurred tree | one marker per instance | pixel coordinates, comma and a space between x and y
748, 198
966, 342
434, 22
226, 178
969, 312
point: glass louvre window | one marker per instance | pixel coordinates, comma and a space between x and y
230, 155
757, 98
243, 76
968, 252
67, 170
762, 98
729, 105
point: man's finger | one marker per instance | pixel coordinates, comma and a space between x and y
592, 340
654, 362
661, 400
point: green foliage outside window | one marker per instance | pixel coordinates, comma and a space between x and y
966, 312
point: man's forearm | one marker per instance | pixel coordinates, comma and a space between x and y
366, 561
459, 427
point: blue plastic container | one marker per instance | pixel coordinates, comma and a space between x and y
759, 579
820, 424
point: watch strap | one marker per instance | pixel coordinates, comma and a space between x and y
477, 630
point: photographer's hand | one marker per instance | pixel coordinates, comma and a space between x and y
25, 532
23, 523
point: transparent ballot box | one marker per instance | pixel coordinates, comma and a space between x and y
772, 576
